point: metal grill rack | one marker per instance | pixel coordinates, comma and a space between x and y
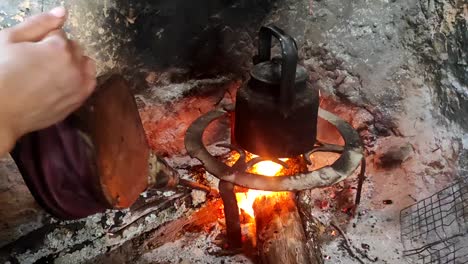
435, 230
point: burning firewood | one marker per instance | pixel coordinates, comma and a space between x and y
280, 235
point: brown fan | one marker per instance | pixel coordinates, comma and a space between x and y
96, 159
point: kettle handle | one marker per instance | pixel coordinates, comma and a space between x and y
289, 61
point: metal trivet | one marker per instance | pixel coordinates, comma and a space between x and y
350, 159
435, 230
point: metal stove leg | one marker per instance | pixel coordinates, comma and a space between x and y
231, 214
361, 179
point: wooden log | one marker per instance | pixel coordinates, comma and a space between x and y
280, 234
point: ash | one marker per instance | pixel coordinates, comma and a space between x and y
192, 248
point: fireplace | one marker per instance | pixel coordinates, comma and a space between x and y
390, 108
237, 174
275, 116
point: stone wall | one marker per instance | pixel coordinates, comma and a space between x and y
439, 35
372, 41
124, 34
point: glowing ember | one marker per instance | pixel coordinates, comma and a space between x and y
246, 200
267, 168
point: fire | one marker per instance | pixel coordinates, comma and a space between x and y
247, 199
267, 168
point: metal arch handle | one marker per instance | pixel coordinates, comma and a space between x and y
289, 61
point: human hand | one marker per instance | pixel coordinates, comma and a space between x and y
43, 76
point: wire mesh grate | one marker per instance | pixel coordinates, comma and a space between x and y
435, 230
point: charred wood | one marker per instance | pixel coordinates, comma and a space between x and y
280, 234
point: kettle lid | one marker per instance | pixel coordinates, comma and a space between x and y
270, 72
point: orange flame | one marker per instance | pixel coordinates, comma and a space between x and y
246, 200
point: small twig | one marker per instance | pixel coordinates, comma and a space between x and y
198, 186
143, 211
364, 254
361, 179
411, 196
347, 245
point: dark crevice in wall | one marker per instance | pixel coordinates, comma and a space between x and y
206, 36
